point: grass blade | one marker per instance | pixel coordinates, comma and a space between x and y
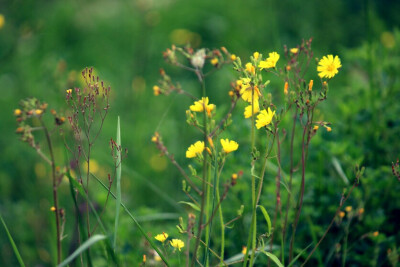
298, 256
152, 244
118, 186
16, 252
88, 243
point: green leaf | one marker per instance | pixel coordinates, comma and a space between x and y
194, 206
88, 243
273, 258
118, 186
267, 218
16, 252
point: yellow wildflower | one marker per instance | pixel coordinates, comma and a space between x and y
199, 106
69, 91
342, 214
270, 62
256, 55
316, 127
233, 57
214, 61
17, 112
250, 68
144, 258
52, 209
244, 250
177, 243
328, 128
376, 233
294, 50
264, 118
348, 208
161, 237
328, 66
248, 111
195, 149
38, 111
156, 90
247, 92
361, 211
228, 145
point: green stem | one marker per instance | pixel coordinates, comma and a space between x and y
251, 242
221, 220
55, 186
204, 184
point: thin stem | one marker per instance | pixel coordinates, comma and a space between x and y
289, 197
278, 196
204, 185
330, 225
300, 200
55, 197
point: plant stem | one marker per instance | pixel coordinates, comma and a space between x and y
204, 185
289, 197
330, 225
300, 200
55, 186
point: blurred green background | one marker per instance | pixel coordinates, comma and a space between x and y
44, 45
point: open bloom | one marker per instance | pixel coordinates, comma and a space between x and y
229, 146
198, 106
248, 111
264, 118
270, 62
177, 243
161, 237
195, 149
246, 90
328, 66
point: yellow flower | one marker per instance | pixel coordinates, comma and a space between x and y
195, 149
199, 106
161, 237
156, 90
342, 214
52, 209
244, 250
328, 66
348, 208
375, 233
264, 118
214, 61
248, 111
250, 68
38, 111
316, 127
294, 50
256, 55
270, 62
247, 93
69, 91
17, 112
233, 57
328, 128
177, 243
361, 211
228, 145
